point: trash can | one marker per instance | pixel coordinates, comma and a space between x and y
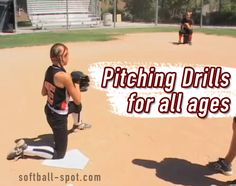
107, 19
118, 18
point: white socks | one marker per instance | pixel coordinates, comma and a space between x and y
77, 118
45, 152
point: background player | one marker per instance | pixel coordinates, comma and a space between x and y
186, 27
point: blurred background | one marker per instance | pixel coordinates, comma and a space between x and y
44, 14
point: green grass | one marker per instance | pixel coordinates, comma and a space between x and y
43, 38
219, 32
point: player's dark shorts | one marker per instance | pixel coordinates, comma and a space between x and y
186, 31
73, 108
58, 124
234, 119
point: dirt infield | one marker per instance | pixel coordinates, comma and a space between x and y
123, 151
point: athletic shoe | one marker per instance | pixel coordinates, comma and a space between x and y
221, 166
231, 183
81, 126
18, 151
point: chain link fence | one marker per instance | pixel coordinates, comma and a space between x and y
207, 12
77, 13
44, 14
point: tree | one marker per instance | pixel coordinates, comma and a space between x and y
110, 2
233, 5
141, 10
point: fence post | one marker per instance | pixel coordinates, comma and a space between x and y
67, 15
201, 14
156, 17
114, 12
15, 20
